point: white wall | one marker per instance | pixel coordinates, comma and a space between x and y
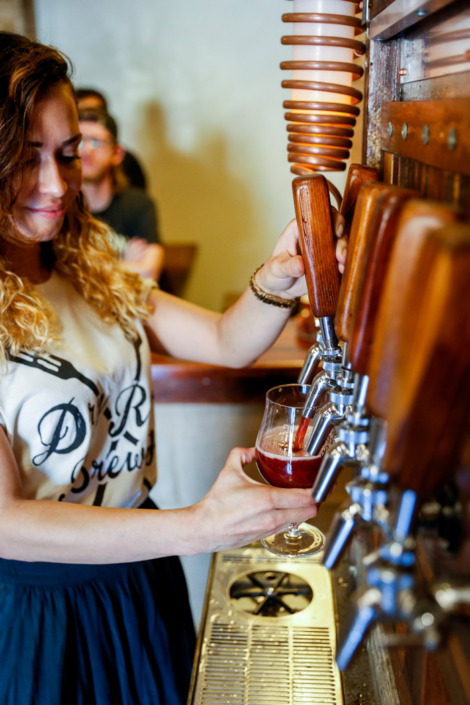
195, 86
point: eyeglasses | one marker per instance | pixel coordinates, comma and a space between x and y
93, 143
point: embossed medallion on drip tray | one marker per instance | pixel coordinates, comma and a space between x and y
271, 593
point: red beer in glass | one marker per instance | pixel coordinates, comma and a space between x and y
283, 465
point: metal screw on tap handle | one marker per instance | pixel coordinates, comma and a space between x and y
452, 138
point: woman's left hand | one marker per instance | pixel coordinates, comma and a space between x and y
283, 273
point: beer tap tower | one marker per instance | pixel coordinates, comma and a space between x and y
387, 278
417, 136
422, 448
380, 232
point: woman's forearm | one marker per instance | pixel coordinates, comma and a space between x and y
43, 530
248, 329
233, 339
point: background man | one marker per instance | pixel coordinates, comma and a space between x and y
91, 99
126, 209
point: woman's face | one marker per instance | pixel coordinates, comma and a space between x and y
52, 173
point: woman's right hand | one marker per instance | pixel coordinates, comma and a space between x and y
341, 248
238, 510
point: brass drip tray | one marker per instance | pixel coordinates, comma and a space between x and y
268, 633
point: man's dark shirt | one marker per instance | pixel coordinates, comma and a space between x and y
132, 213
134, 172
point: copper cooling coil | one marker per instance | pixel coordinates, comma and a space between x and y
340, 42
322, 130
320, 18
353, 93
328, 141
356, 70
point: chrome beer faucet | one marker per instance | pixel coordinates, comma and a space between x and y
330, 354
374, 238
342, 397
368, 492
319, 351
394, 219
426, 421
390, 594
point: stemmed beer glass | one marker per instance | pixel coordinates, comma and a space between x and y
282, 465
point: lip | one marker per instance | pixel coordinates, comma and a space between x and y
49, 213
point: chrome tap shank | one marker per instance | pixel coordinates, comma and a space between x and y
314, 356
323, 422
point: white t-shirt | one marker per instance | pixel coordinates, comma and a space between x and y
80, 418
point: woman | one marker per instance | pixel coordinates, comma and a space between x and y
92, 609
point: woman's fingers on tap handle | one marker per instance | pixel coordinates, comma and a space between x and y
285, 266
341, 252
338, 222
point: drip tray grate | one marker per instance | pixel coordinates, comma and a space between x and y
254, 664
247, 659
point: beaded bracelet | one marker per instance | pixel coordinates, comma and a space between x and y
270, 298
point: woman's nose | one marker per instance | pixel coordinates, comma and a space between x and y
51, 180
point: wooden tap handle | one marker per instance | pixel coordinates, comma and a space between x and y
312, 209
358, 250
383, 227
430, 400
357, 176
418, 219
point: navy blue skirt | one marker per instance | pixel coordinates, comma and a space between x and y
95, 634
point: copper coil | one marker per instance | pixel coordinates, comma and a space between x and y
323, 19
330, 141
340, 42
337, 88
332, 152
320, 106
317, 163
320, 132
326, 119
356, 70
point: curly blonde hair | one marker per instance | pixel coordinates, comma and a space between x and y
81, 252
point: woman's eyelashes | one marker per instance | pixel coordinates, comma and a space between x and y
69, 158
32, 162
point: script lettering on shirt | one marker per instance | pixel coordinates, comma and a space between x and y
69, 424
101, 469
131, 398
